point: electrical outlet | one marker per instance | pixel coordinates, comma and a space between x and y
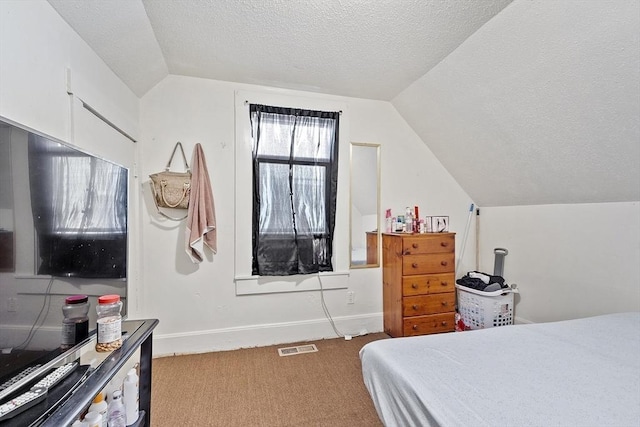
12, 305
351, 297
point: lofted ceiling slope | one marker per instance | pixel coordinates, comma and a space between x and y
539, 106
533, 102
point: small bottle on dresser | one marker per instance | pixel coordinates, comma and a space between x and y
408, 220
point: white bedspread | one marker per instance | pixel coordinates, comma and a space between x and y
583, 372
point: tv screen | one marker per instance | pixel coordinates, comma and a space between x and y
79, 205
63, 232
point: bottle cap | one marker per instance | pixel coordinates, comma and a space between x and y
108, 299
76, 299
93, 418
99, 398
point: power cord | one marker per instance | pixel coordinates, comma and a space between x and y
47, 303
326, 310
328, 315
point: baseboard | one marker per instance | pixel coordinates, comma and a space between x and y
520, 321
262, 335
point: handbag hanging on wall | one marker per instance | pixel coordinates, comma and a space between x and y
172, 189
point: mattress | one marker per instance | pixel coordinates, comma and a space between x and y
583, 372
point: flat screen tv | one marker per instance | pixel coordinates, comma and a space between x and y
63, 231
79, 205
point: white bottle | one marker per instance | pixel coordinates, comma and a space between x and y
116, 417
131, 402
100, 406
93, 419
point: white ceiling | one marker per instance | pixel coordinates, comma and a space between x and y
360, 48
533, 102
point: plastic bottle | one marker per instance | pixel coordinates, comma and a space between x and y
116, 411
93, 419
75, 326
388, 224
109, 333
408, 220
100, 406
131, 402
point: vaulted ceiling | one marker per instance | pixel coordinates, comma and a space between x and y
359, 48
524, 102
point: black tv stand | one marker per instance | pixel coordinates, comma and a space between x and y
78, 395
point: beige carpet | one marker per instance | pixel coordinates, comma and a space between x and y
257, 387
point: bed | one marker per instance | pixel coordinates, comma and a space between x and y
582, 372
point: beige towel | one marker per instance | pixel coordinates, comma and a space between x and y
201, 216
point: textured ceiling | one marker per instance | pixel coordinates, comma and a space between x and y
534, 103
359, 48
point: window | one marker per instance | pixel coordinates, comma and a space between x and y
295, 174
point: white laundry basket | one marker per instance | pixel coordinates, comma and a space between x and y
479, 310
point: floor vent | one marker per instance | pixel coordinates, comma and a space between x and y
290, 351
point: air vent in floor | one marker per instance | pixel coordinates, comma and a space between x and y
290, 351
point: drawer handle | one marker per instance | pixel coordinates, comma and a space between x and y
415, 306
444, 323
444, 283
444, 263
414, 327
414, 265
414, 246
444, 303
444, 244
414, 286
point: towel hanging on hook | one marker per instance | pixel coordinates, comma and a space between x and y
201, 216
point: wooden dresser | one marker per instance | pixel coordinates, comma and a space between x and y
418, 276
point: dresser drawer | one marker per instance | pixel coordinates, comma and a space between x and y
428, 244
428, 263
431, 324
428, 284
428, 304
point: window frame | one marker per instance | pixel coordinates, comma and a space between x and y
246, 283
285, 161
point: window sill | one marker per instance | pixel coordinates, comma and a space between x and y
255, 285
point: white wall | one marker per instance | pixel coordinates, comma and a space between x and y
41, 60
197, 304
569, 261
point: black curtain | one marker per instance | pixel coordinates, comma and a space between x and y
295, 181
